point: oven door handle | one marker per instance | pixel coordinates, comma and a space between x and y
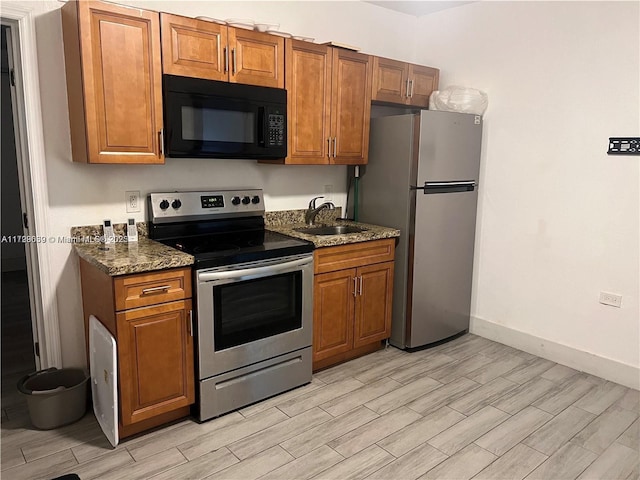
255, 271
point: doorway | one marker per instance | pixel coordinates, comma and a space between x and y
16, 331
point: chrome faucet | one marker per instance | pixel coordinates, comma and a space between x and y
310, 214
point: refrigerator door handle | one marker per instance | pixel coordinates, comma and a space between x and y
447, 187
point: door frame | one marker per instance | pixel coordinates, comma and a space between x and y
33, 174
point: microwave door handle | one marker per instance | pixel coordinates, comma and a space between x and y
262, 126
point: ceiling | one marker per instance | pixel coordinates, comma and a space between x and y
418, 8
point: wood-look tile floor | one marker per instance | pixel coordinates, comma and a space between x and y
471, 408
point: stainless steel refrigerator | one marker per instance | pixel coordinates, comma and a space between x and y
422, 178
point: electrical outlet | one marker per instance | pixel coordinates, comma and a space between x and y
328, 193
612, 299
132, 200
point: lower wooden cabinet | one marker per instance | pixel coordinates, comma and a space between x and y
353, 288
150, 316
334, 308
155, 350
373, 304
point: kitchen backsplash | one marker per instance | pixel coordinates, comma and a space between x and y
93, 233
288, 217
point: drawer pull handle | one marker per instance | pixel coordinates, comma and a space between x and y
162, 288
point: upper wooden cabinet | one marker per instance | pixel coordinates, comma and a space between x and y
422, 81
329, 104
114, 82
256, 58
193, 48
196, 48
351, 107
403, 83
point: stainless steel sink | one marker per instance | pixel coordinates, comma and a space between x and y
330, 230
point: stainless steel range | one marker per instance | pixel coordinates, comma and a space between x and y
254, 295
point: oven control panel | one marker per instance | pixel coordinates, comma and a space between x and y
212, 201
165, 207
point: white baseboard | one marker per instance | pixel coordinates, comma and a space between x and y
606, 368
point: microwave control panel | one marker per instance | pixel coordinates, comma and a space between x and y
276, 130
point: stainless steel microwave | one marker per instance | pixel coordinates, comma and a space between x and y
212, 119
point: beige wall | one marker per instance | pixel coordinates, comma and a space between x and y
558, 217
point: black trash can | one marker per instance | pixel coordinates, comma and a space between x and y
55, 397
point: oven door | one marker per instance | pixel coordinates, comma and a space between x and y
254, 311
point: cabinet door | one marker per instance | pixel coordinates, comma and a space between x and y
423, 81
333, 310
256, 58
390, 79
350, 107
373, 305
308, 83
155, 356
122, 83
193, 48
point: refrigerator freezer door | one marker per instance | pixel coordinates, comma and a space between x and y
449, 146
442, 266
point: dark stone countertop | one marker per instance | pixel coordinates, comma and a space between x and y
288, 221
123, 258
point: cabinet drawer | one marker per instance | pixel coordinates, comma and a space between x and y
329, 259
135, 291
